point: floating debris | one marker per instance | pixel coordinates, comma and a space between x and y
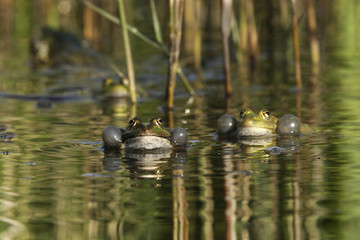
274, 150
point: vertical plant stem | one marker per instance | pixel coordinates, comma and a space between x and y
314, 43
176, 16
284, 14
158, 45
198, 36
157, 29
129, 60
296, 45
243, 31
226, 28
184, 80
192, 31
253, 35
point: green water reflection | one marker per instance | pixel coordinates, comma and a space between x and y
57, 183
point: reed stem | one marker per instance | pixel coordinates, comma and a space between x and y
185, 81
129, 60
176, 16
156, 24
243, 31
226, 29
253, 35
296, 45
314, 43
192, 32
158, 45
129, 27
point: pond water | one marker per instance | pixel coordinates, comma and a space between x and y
57, 183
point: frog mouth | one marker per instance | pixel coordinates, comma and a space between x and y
147, 143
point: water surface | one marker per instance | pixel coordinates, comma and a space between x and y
56, 182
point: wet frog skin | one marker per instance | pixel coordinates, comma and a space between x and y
146, 136
252, 124
137, 128
261, 124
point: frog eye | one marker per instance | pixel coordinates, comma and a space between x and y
157, 121
242, 112
245, 112
108, 81
133, 122
266, 114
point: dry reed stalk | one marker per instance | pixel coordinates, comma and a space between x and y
158, 44
156, 24
226, 13
192, 31
248, 47
296, 45
253, 35
284, 14
128, 55
198, 36
176, 16
243, 31
129, 27
314, 43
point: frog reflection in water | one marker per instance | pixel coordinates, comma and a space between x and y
138, 135
261, 124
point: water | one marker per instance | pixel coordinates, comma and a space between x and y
56, 182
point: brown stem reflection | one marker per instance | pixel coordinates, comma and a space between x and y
229, 186
181, 229
207, 196
232, 181
296, 202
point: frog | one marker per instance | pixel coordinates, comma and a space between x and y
113, 87
145, 136
261, 124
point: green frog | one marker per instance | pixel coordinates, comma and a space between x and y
262, 124
144, 136
114, 87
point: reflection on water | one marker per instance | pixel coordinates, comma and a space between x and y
58, 183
